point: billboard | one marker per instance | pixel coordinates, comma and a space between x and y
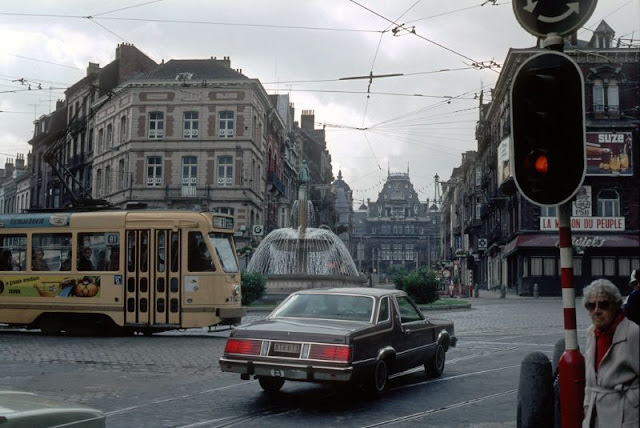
609, 153
504, 170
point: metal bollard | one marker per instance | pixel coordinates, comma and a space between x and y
535, 290
503, 291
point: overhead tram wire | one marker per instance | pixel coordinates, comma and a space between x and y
412, 31
194, 22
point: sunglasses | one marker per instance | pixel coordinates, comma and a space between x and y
591, 306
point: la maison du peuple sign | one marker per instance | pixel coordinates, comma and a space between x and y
601, 224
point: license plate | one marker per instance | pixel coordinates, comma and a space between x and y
286, 348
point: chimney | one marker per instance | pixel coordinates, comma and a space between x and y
93, 68
307, 119
20, 162
8, 168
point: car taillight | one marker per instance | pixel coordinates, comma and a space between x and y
243, 347
340, 353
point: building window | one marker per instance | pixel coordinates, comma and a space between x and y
225, 171
536, 266
123, 129
189, 175
190, 128
100, 140
107, 180
90, 141
121, 175
109, 137
547, 211
225, 124
156, 124
605, 96
224, 210
99, 182
549, 265
608, 203
154, 171
577, 266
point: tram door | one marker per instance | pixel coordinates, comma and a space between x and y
153, 272
166, 282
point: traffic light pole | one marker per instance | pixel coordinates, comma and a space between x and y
571, 364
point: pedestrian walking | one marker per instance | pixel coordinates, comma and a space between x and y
612, 360
632, 302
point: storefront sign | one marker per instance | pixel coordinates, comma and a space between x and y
609, 153
582, 205
609, 224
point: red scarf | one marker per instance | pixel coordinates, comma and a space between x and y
604, 339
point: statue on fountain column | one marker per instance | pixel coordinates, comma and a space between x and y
304, 176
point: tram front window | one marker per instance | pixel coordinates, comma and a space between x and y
224, 251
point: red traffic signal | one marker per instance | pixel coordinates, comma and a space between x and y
547, 128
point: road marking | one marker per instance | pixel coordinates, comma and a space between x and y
441, 409
178, 397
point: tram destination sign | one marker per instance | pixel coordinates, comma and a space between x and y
542, 17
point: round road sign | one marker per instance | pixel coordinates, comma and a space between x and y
541, 17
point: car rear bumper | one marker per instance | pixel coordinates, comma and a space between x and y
300, 372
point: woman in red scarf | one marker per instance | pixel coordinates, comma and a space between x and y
612, 360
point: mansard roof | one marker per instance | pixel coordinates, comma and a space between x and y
194, 69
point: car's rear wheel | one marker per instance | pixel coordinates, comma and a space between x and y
270, 383
380, 378
435, 366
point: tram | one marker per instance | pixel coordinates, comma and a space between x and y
118, 271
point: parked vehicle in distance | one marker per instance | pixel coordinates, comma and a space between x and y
340, 335
24, 409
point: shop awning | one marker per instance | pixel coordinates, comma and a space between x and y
579, 240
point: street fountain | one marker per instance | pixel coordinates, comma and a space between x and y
302, 257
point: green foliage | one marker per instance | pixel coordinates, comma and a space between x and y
420, 285
400, 278
253, 286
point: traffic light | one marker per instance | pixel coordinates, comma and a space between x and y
547, 128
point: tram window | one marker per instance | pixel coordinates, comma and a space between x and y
98, 251
224, 251
199, 257
51, 251
144, 250
131, 251
13, 252
161, 250
175, 251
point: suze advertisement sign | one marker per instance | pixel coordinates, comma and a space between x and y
603, 224
609, 153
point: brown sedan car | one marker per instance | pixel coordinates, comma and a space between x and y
339, 335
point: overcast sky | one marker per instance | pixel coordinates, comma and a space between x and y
421, 121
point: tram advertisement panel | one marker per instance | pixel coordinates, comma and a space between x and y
49, 286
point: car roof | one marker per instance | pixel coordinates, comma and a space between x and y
363, 291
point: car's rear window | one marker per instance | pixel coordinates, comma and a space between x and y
327, 306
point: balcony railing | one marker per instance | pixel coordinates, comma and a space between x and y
186, 192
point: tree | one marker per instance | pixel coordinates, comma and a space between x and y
421, 285
253, 285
